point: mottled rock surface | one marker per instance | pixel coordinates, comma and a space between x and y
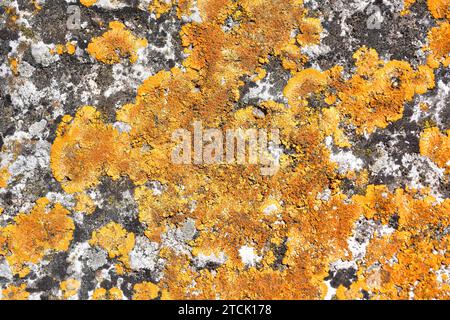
92, 205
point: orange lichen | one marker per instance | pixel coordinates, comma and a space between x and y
160, 7
310, 30
69, 288
152, 211
440, 9
330, 123
406, 6
32, 236
115, 44
304, 83
4, 176
234, 206
88, 3
291, 58
424, 106
83, 150
84, 203
377, 203
37, 6
436, 146
373, 97
376, 93
404, 263
14, 65
145, 291
261, 74
111, 294
439, 45
115, 240
69, 48
15, 293
217, 61
11, 14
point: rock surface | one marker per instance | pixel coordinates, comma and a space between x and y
92, 205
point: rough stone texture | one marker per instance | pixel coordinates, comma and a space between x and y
92, 208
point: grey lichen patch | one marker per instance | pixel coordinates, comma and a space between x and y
145, 256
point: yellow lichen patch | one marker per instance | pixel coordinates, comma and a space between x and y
440, 9
145, 291
11, 14
69, 288
436, 146
160, 7
424, 106
291, 58
115, 44
424, 79
377, 203
111, 294
335, 217
303, 84
311, 84
439, 45
15, 293
406, 5
165, 295
226, 56
120, 268
84, 149
4, 176
88, 3
33, 235
376, 93
330, 123
152, 211
234, 206
84, 203
238, 220
303, 261
310, 30
404, 263
69, 48
115, 240
261, 74
37, 6
14, 65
